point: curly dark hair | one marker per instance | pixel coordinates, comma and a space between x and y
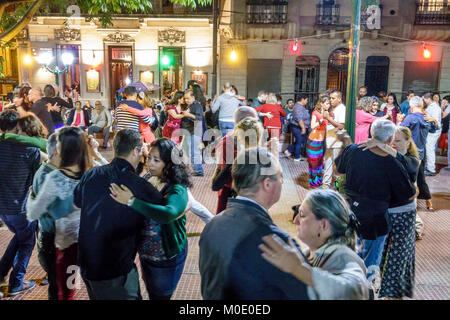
173, 173
32, 126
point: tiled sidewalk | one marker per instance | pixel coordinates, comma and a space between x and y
432, 253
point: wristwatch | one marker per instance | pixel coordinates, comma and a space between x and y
130, 201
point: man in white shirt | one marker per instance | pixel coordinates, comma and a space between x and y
336, 121
434, 111
445, 105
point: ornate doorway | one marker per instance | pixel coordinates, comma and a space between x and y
338, 70
121, 69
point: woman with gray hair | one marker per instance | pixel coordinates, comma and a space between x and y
364, 119
327, 226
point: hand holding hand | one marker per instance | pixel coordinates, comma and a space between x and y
269, 115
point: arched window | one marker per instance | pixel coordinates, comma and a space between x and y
337, 70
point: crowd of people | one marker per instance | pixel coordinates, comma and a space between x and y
359, 221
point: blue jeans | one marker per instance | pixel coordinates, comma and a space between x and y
371, 251
299, 140
161, 278
19, 250
225, 127
196, 154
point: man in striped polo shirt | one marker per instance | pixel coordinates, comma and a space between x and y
125, 119
18, 163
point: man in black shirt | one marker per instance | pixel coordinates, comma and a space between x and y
40, 109
55, 103
109, 231
376, 181
193, 122
18, 163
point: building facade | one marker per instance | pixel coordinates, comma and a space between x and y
173, 45
168, 47
259, 32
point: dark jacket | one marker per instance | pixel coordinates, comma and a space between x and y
40, 109
231, 266
189, 124
56, 116
109, 231
18, 163
71, 119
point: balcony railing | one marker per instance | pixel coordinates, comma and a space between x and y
267, 13
327, 15
432, 13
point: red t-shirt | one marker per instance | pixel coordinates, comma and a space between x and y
276, 111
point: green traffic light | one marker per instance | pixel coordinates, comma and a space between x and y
165, 60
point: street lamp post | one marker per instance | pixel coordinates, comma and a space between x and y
46, 59
352, 80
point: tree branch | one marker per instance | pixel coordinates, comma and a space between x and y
17, 28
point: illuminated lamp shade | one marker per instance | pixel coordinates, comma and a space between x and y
233, 55
45, 58
127, 81
27, 59
165, 60
295, 47
426, 53
67, 58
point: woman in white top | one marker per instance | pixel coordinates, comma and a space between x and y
327, 226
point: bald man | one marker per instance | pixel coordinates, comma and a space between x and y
40, 109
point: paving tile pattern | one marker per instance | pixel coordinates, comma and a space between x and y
432, 253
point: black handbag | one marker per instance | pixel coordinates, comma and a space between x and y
372, 215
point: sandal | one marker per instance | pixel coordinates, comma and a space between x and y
429, 205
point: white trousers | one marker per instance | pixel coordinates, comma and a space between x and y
330, 155
430, 150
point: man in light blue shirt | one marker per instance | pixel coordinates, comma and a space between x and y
404, 107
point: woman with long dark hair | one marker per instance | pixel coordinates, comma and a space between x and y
315, 145
175, 116
163, 246
55, 200
392, 108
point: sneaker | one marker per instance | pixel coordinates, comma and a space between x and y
298, 160
44, 281
287, 153
26, 286
198, 174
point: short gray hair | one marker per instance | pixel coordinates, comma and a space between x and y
51, 144
365, 103
244, 112
382, 129
416, 102
330, 205
253, 166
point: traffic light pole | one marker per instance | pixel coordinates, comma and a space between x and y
352, 80
214, 47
